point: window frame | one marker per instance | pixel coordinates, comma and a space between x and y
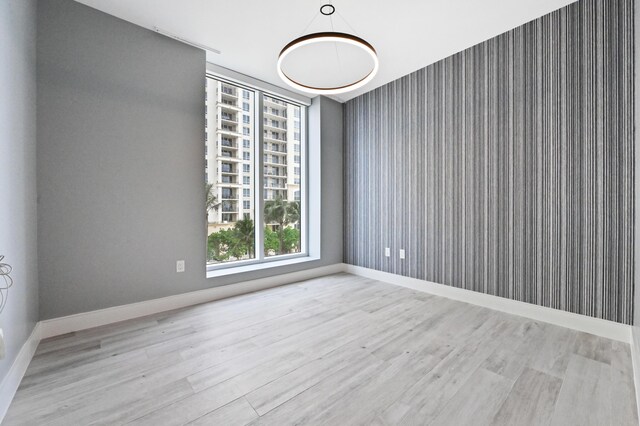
258, 178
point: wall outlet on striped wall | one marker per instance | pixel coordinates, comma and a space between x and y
387, 251
401, 253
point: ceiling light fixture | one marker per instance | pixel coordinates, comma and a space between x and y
356, 51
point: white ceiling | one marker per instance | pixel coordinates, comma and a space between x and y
407, 34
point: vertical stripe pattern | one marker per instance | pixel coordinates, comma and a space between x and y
507, 168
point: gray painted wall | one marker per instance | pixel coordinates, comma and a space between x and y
637, 179
635, 331
330, 169
18, 219
121, 164
507, 168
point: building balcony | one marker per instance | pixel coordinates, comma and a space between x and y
271, 138
228, 144
278, 115
228, 159
226, 91
275, 152
273, 101
278, 128
276, 163
229, 106
227, 132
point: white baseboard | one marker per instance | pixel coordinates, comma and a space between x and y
599, 327
63, 325
82, 321
12, 380
635, 358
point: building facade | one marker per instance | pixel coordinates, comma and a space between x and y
230, 149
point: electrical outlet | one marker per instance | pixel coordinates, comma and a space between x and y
180, 266
401, 253
387, 251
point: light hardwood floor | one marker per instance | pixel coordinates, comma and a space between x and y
336, 350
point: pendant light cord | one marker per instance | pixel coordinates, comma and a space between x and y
315, 16
346, 22
310, 22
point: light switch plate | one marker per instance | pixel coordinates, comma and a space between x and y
401, 253
180, 266
387, 251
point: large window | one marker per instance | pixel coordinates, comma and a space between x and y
255, 177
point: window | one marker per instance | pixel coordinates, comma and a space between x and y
226, 213
240, 215
282, 210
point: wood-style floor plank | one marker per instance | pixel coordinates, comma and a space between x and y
333, 350
531, 401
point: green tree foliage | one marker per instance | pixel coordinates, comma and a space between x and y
291, 240
236, 242
271, 242
293, 211
281, 212
221, 245
212, 200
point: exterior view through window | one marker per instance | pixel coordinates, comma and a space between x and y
252, 178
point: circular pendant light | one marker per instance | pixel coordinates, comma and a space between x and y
327, 63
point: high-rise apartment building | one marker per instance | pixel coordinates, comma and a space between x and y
230, 150
281, 149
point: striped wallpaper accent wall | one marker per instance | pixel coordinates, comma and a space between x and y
507, 168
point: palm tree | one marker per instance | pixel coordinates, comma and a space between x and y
277, 211
293, 211
212, 200
245, 233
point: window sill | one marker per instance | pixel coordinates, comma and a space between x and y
259, 266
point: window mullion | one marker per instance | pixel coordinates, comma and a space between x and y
259, 177
304, 179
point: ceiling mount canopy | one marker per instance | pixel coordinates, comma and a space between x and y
327, 9
328, 62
